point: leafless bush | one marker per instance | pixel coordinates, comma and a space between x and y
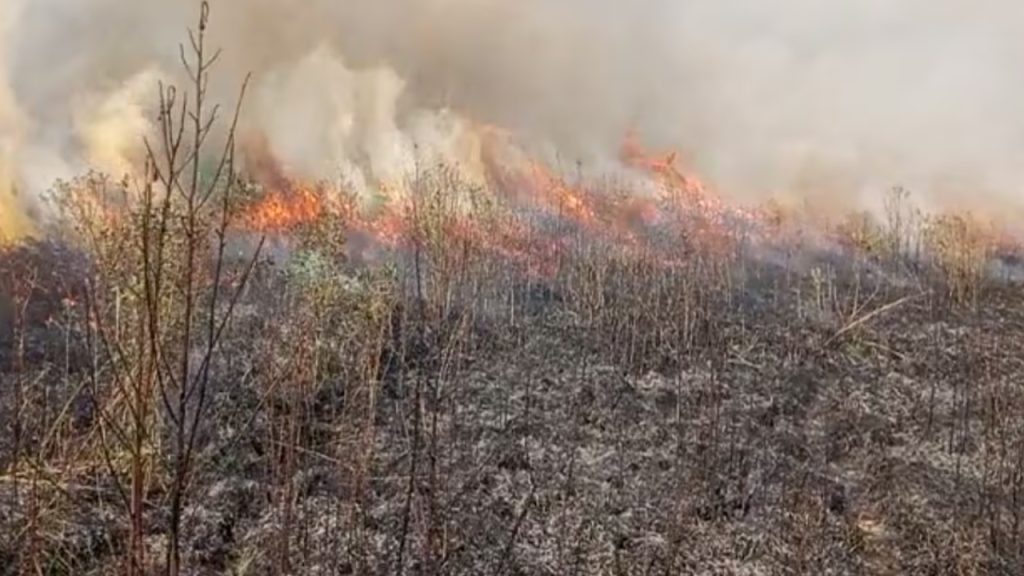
960, 247
156, 306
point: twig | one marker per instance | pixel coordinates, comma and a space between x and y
867, 317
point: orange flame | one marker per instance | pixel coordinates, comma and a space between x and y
285, 210
286, 204
557, 195
524, 188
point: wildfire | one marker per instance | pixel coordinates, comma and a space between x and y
287, 203
524, 196
665, 167
284, 210
705, 219
558, 196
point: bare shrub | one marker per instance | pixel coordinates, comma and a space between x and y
959, 246
157, 304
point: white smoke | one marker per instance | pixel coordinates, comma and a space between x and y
824, 99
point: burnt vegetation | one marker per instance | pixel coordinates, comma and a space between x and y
179, 397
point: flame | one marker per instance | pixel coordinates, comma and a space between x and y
285, 209
706, 221
665, 167
286, 203
525, 197
557, 195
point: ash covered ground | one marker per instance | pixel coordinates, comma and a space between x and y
820, 418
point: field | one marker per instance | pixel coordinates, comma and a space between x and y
210, 371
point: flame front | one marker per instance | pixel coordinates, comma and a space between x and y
536, 212
284, 210
531, 214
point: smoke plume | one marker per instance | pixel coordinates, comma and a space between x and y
821, 100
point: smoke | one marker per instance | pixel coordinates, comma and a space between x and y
821, 100
11, 214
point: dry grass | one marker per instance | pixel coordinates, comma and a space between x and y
465, 415
961, 247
